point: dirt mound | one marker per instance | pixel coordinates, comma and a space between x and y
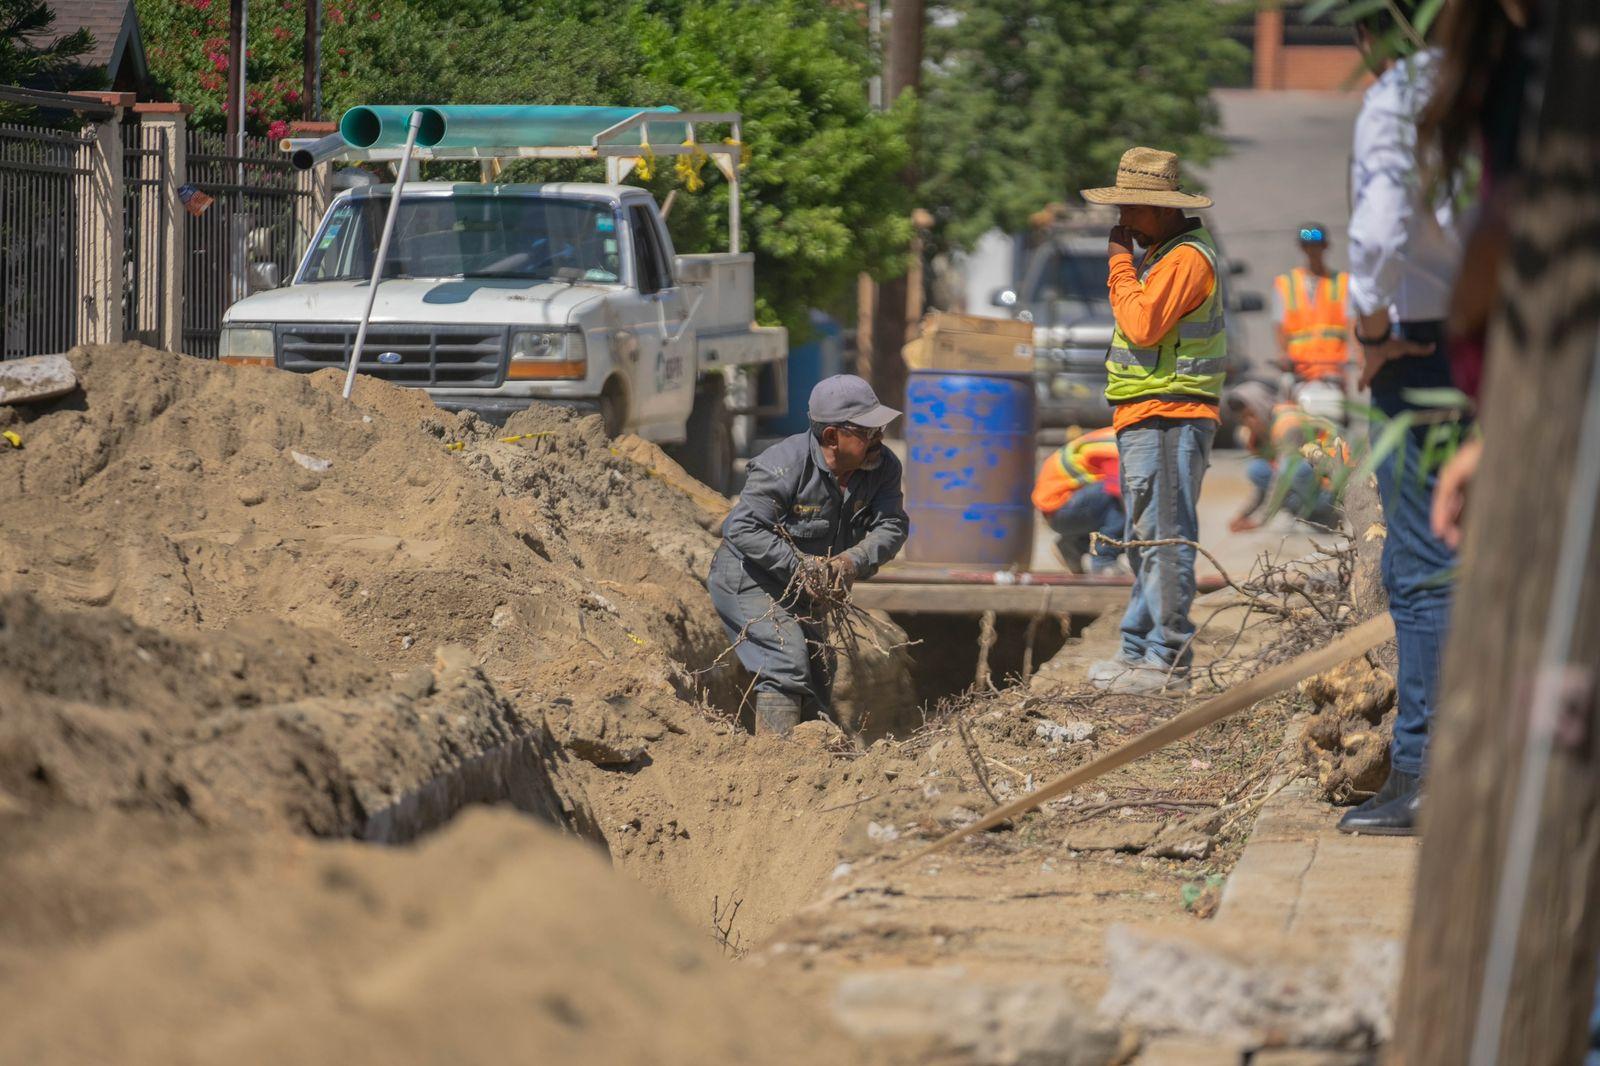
252, 726
195, 498
494, 940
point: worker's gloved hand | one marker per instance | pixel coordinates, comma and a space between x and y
842, 572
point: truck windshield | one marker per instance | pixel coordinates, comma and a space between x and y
1076, 276
531, 237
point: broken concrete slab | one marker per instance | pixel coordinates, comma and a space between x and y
948, 1012
35, 379
1251, 987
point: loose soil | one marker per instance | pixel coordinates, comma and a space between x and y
242, 618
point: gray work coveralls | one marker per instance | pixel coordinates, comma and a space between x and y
790, 486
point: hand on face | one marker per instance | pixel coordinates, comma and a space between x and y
1120, 242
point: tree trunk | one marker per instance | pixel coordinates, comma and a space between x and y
902, 73
1542, 354
236, 61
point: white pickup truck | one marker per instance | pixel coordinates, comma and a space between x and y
494, 296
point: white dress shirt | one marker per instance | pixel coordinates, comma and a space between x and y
1404, 246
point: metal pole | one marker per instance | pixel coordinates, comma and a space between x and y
733, 191
243, 57
383, 249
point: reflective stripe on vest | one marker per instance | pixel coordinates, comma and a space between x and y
1188, 361
1073, 456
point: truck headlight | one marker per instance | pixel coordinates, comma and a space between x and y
547, 355
246, 346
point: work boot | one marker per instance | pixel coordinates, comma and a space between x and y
1146, 679
776, 712
1104, 671
1392, 812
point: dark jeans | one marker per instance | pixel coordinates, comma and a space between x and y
1418, 570
773, 640
1091, 509
1304, 498
1163, 461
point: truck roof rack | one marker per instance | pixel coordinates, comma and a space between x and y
618, 135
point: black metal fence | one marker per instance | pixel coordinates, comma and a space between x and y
144, 232
44, 189
247, 239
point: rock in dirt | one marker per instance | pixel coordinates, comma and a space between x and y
989, 1022
1251, 988
1073, 732
36, 379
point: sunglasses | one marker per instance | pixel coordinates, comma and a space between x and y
1313, 236
860, 431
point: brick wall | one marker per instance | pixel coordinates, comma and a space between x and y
1324, 68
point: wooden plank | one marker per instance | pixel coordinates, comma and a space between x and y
1002, 599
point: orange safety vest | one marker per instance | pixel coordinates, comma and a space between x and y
1317, 330
1084, 460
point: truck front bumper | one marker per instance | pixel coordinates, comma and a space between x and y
496, 409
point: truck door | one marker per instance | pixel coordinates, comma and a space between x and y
664, 379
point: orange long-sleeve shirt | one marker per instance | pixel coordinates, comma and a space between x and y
1147, 310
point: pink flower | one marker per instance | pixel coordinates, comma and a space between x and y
278, 130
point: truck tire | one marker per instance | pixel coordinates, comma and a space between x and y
707, 453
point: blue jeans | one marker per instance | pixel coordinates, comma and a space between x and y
1418, 570
774, 640
1091, 509
1304, 499
1163, 461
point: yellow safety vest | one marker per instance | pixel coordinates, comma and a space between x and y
1188, 363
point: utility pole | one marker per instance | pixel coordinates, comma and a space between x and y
902, 73
1509, 882
311, 84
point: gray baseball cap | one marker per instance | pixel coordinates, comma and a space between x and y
847, 398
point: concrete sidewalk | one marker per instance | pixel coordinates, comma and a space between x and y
1309, 910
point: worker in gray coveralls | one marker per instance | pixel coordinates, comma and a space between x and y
827, 499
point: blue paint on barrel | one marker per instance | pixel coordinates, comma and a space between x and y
969, 468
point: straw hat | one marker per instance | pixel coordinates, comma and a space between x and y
1147, 176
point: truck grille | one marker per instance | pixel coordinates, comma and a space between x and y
454, 357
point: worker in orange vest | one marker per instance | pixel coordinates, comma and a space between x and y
1079, 492
1285, 442
1313, 326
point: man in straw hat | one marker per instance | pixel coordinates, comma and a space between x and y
1164, 373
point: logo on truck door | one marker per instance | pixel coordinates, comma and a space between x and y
669, 370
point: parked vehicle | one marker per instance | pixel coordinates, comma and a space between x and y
1062, 291
494, 296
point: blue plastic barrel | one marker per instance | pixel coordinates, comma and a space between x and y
969, 469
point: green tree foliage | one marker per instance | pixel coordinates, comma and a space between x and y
1027, 101
823, 200
32, 55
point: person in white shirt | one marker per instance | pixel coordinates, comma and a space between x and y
1404, 253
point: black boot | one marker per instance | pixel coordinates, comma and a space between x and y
1392, 812
776, 712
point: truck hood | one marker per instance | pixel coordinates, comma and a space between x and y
473, 301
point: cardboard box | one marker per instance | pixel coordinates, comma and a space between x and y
972, 343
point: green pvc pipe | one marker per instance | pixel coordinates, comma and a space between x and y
384, 126
504, 126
